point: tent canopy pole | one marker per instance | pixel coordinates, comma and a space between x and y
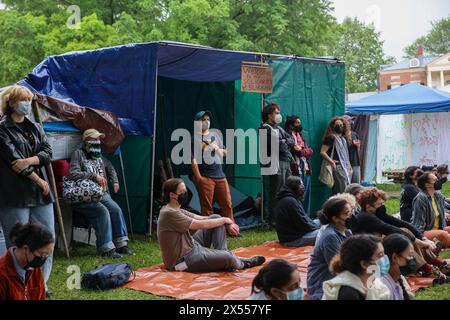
152, 171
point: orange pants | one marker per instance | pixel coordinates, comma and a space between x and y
211, 190
441, 235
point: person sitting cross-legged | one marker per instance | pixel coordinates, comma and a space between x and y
294, 227
183, 252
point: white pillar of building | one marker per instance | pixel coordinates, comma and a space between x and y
442, 79
429, 80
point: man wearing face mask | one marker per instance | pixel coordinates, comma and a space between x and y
271, 117
373, 218
294, 226
24, 152
442, 175
21, 277
429, 210
207, 250
106, 216
207, 172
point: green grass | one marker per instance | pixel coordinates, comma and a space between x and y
148, 253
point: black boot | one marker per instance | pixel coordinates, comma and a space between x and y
253, 261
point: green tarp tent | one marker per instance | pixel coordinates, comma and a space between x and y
314, 90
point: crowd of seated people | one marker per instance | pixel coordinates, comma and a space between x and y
361, 252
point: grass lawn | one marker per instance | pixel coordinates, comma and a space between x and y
148, 253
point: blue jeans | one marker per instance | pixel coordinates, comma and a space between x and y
307, 200
41, 214
308, 239
108, 222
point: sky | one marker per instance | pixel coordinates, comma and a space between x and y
399, 21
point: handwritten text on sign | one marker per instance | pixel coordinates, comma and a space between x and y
256, 79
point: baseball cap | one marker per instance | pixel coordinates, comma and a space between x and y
92, 133
200, 114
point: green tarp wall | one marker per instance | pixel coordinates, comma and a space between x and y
136, 155
314, 91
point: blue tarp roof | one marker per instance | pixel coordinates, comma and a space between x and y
410, 98
122, 79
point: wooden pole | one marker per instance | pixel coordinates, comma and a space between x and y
51, 177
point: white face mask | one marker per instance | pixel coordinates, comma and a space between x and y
205, 125
23, 108
278, 119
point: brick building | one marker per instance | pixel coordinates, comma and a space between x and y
431, 71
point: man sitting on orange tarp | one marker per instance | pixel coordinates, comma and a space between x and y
181, 251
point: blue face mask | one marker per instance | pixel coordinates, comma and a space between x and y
384, 265
23, 108
296, 294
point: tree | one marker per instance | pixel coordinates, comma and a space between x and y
360, 47
19, 52
436, 42
299, 27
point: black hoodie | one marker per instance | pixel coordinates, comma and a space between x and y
292, 222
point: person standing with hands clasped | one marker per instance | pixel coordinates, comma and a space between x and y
207, 172
24, 152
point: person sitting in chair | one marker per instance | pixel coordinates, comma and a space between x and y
183, 252
106, 216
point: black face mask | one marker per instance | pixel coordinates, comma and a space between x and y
299, 128
409, 268
349, 223
438, 184
381, 210
183, 199
37, 262
338, 129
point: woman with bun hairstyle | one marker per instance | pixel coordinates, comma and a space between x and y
278, 280
359, 267
336, 212
21, 277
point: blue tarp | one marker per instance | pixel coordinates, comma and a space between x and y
410, 98
123, 79
60, 126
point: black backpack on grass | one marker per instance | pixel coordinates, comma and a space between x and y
108, 276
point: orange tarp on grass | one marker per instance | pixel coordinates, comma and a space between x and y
227, 285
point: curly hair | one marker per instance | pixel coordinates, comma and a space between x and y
347, 197
347, 134
370, 195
